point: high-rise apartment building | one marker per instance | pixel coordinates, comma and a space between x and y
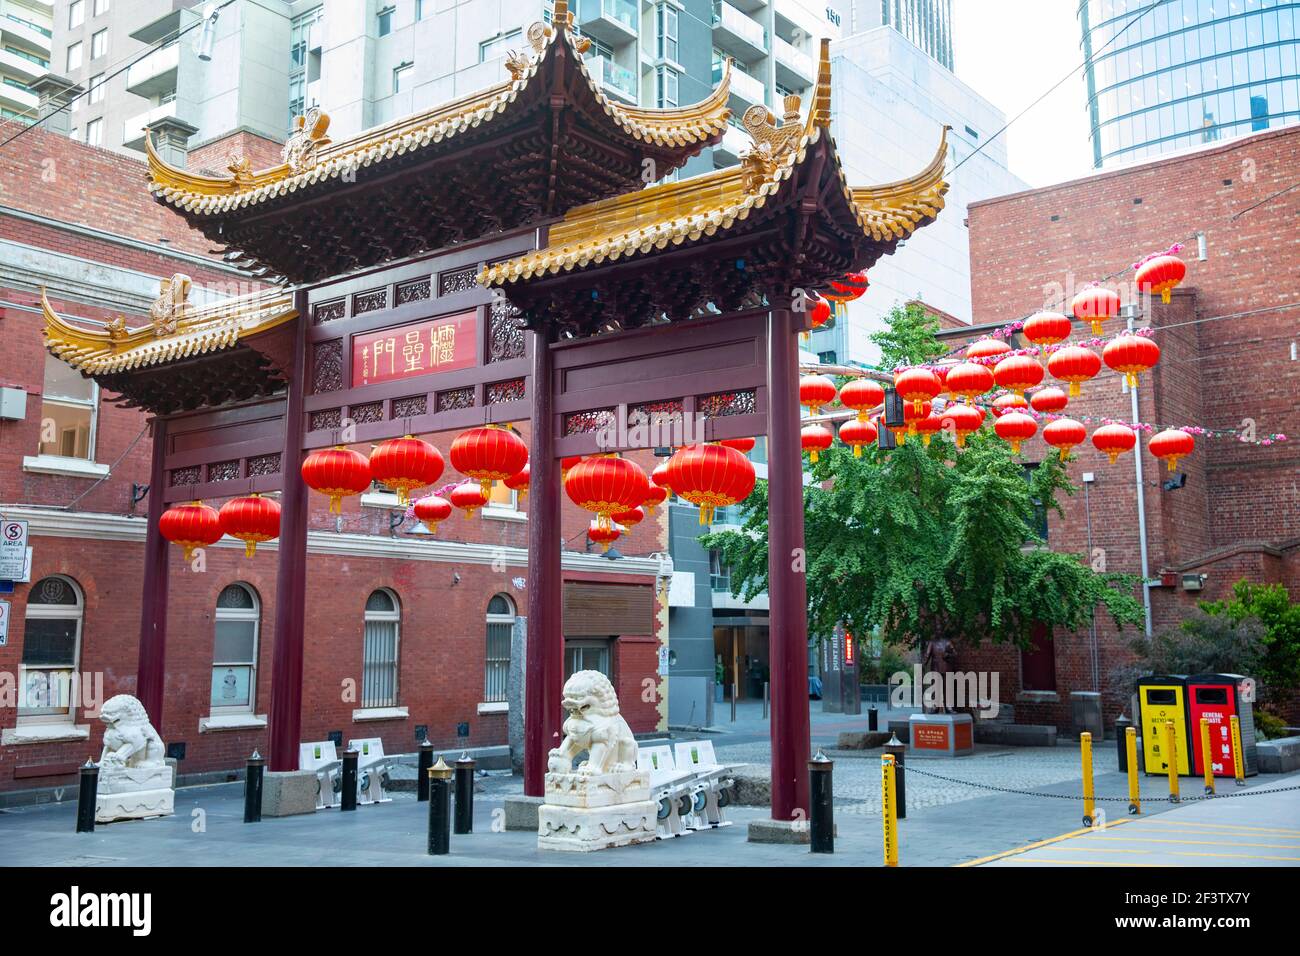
1187, 72
25, 31
927, 23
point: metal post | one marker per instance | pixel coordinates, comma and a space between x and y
439, 809
253, 788
465, 794
1207, 765
1171, 756
887, 803
896, 749
1121, 734
1089, 795
1238, 758
1131, 752
349, 774
767, 699
822, 815
86, 797
873, 718
1131, 312
425, 761
735, 690
151, 662
788, 586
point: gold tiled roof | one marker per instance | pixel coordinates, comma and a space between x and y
198, 330
673, 213
682, 127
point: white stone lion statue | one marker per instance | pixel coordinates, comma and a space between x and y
130, 742
594, 725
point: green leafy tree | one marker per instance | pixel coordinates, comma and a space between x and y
928, 543
1279, 663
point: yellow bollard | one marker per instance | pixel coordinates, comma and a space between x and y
1207, 763
1131, 743
888, 810
1089, 803
1238, 758
1171, 757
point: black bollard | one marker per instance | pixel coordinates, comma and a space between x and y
1121, 742
823, 804
422, 771
86, 797
253, 788
464, 794
873, 718
349, 794
439, 809
898, 748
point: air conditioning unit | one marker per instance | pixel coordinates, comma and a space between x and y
13, 404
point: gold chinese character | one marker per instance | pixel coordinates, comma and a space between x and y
388, 345
413, 352
444, 344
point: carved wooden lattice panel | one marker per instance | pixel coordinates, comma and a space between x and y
458, 280
722, 404
371, 301
581, 423
505, 334
413, 291
329, 311
223, 470
327, 366
325, 418
455, 398
185, 476
367, 413
262, 465
511, 391
410, 407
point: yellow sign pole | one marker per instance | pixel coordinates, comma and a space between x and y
1171, 757
1207, 763
1238, 757
1131, 745
1089, 803
888, 810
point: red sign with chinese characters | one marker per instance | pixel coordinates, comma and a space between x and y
437, 345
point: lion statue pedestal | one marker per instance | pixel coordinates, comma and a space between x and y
135, 781
606, 801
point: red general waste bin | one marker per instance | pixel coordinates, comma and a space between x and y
1218, 698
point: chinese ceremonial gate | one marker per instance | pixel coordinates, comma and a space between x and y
564, 293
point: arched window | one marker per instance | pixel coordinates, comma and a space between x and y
51, 650
496, 670
234, 653
379, 657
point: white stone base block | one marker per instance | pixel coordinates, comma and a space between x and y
134, 805
582, 829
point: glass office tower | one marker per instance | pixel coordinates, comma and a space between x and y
1187, 72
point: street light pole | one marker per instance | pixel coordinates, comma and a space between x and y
1131, 312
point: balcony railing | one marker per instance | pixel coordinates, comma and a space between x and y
736, 29
795, 60
31, 26
610, 74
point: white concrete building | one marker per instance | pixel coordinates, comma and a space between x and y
26, 27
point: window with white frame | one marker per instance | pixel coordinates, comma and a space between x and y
68, 404
502, 498
234, 650
422, 8
76, 14
496, 667
379, 654
386, 21
51, 651
100, 8
585, 655
666, 86
402, 76
498, 45
98, 44
74, 56
96, 88
666, 24
95, 136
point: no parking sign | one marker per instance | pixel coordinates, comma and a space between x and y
13, 549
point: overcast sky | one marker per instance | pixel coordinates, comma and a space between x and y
1010, 52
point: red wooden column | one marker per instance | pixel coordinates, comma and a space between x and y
151, 666
544, 669
291, 574
787, 587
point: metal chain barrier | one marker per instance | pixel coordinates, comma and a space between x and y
911, 769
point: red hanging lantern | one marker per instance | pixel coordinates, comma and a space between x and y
519, 482
1131, 354
917, 385
1015, 427
742, 445
566, 464
1074, 364
941, 373
603, 535
912, 416
402, 464
432, 509
815, 439
489, 453
857, 435
1009, 402
1160, 274
337, 472
986, 349
712, 476
468, 496
1047, 328
655, 495
192, 526
607, 484
1063, 434
1114, 440
899, 431
928, 427
629, 518
660, 476
1016, 373
1095, 305
1171, 444
968, 380
963, 420
862, 395
251, 519
1049, 400
852, 286
816, 391
821, 312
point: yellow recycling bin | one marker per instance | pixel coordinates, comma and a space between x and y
1162, 698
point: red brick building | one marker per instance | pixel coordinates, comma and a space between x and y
413, 621
1228, 361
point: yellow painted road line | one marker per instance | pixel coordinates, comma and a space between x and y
1038, 860
1033, 846
1228, 856
1224, 826
1214, 833
1138, 839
